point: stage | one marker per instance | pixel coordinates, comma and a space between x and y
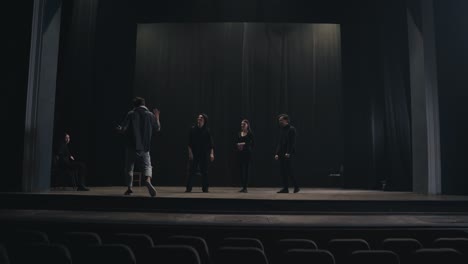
227, 200
224, 208
306, 194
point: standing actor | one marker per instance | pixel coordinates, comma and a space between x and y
138, 127
201, 151
245, 144
285, 150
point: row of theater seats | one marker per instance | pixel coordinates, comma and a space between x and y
18, 247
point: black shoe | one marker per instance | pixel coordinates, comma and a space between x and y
205, 190
82, 189
151, 189
244, 190
296, 190
128, 192
283, 191
188, 190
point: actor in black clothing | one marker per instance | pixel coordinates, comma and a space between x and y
285, 150
138, 128
245, 144
201, 151
67, 163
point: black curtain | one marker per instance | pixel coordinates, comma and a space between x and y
243, 70
377, 101
94, 85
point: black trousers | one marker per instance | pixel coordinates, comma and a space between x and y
199, 164
244, 163
77, 170
286, 171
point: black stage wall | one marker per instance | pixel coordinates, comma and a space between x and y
347, 122
336, 126
14, 82
97, 59
244, 70
452, 58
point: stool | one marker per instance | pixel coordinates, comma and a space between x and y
137, 177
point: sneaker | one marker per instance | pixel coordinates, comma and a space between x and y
82, 188
128, 192
151, 189
283, 191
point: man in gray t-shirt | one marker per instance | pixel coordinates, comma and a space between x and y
138, 127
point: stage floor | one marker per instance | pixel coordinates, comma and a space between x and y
266, 194
312, 207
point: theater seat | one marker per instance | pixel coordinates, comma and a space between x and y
240, 255
374, 257
307, 256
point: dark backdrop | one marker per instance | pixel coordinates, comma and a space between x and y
97, 81
244, 70
452, 58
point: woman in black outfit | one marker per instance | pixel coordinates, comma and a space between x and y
245, 143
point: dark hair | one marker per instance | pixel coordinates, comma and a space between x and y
284, 116
138, 101
248, 123
205, 117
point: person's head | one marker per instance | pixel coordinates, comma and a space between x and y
245, 125
138, 101
202, 120
283, 120
67, 138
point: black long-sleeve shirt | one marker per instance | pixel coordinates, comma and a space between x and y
64, 153
138, 127
287, 141
200, 140
248, 140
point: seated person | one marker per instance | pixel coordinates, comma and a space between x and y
68, 163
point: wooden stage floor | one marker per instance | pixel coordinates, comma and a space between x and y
265, 194
223, 206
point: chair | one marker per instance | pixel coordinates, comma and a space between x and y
343, 248
39, 253
137, 177
198, 243
240, 255
169, 254
404, 247
287, 244
18, 237
61, 175
305, 256
438, 255
242, 242
374, 256
138, 243
81, 239
460, 244
283, 245
107, 253
133, 240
